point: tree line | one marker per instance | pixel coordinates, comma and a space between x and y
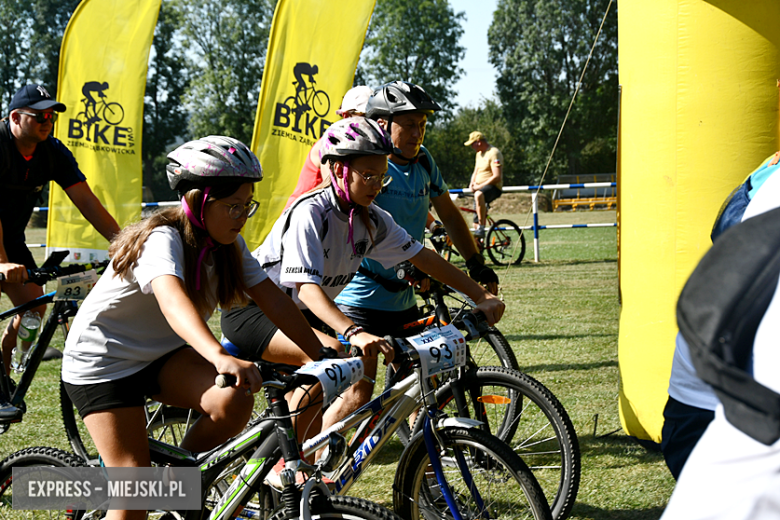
207, 59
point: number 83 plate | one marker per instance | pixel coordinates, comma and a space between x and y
75, 286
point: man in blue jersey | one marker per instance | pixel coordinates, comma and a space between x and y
372, 300
29, 159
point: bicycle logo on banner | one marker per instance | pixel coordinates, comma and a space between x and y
301, 116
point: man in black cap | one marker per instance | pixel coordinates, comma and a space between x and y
29, 159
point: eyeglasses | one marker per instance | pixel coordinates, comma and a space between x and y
236, 211
377, 180
41, 117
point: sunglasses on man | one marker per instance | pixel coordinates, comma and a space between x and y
41, 117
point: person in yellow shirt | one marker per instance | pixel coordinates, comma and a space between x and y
487, 180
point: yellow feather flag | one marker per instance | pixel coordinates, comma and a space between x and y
312, 57
102, 79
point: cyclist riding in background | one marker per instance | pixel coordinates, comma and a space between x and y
299, 71
402, 109
316, 247
353, 104
487, 180
142, 331
90, 102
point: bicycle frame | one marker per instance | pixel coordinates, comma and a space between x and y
63, 309
378, 420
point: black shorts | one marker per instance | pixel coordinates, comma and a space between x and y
18, 253
381, 323
249, 329
491, 193
123, 393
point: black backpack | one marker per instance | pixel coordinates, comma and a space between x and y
718, 314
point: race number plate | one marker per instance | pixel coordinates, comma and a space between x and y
336, 375
441, 349
75, 286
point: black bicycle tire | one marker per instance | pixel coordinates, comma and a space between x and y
113, 120
342, 507
562, 496
68, 411
491, 251
315, 96
408, 492
36, 456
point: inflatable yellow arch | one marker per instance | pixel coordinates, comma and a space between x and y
699, 111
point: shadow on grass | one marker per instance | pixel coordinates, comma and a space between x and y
557, 367
553, 337
586, 511
616, 444
529, 263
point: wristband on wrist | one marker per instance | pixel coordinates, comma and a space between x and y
474, 261
352, 330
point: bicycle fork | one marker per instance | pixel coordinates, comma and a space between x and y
431, 439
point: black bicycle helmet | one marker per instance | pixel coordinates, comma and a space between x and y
212, 161
399, 97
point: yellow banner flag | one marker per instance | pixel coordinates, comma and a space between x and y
310, 65
102, 79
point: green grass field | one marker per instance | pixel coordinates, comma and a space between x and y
562, 321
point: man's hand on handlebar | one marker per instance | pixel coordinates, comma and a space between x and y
13, 273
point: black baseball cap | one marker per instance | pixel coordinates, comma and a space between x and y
35, 97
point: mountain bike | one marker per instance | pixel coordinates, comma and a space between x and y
510, 404
73, 283
233, 474
453, 468
504, 241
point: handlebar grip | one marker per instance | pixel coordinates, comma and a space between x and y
225, 380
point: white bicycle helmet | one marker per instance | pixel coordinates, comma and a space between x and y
355, 136
355, 100
212, 161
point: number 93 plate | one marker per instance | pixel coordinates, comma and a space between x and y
336, 375
75, 286
441, 349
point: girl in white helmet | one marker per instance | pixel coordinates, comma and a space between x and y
316, 246
142, 331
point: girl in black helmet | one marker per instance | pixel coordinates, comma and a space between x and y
142, 331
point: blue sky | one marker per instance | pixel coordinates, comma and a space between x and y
479, 79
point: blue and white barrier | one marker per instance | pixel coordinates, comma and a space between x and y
535, 206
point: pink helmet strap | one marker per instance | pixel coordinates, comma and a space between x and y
200, 224
344, 194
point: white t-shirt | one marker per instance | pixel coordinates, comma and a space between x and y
120, 328
314, 247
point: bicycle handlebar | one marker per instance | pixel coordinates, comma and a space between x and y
41, 275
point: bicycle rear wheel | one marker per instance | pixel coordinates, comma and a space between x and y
38, 456
504, 482
520, 411
505, 243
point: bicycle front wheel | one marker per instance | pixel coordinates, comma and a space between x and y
113, 113
505, 243
341, 507
505, 485
522, 412
38, 456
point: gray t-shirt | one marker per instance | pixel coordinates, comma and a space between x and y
120, 328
